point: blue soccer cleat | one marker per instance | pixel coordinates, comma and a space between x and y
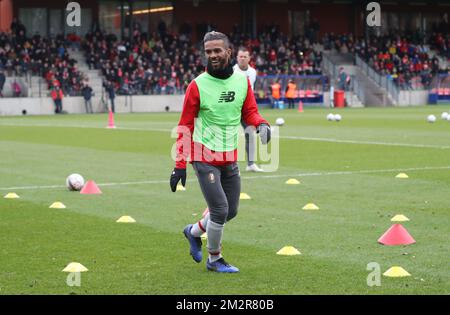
221, 266
195, 244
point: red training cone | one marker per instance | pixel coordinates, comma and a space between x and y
90, 188
300, 107
111, 121
205, 212
396, 235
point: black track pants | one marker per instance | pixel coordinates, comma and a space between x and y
221, 188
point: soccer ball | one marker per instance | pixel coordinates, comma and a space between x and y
279, 121
337, 117
431, 118
444, 115
74, 182
331, 117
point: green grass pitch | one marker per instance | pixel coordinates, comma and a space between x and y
347, 168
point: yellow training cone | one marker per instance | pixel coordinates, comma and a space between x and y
57, 205
292, 181
204, 236
180, 188
396, 272
402, 175
288, 251
310, 206
11, 196
399, 218
244, 196
126, 219
75, 267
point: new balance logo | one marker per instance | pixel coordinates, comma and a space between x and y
226, 97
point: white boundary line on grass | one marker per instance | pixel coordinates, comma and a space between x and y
426, 168
434, 146
411, 145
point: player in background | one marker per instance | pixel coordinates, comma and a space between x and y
242, 66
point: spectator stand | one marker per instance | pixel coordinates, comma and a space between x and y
35, 63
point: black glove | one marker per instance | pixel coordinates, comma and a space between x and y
264, 133
177, 174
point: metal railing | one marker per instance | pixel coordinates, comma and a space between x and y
382, 81
329, 66
358, 89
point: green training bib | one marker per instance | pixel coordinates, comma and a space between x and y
221, 101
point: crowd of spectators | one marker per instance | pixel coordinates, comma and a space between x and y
441, 43
165, 63
145, 64
274, 53
406, 59
39, 56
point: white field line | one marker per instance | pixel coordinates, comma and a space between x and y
411, 145
434, 146
166, 181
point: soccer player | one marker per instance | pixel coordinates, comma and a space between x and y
242, 66
208, 132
